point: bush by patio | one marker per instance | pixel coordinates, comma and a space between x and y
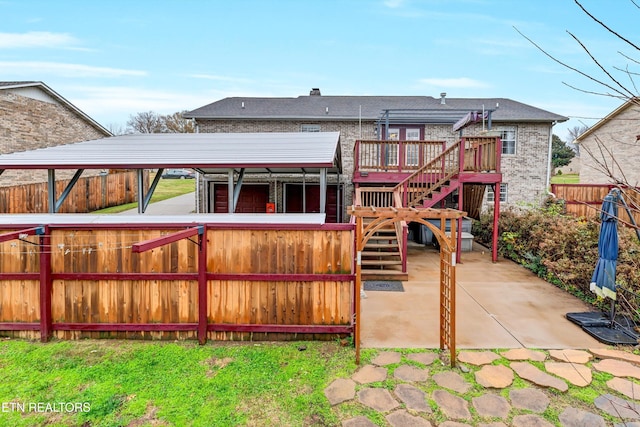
561, 249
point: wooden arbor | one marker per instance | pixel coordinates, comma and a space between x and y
381, 217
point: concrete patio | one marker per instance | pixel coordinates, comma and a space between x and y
499, 305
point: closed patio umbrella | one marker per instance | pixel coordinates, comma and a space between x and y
603, 282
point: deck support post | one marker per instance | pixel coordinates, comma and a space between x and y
496, 216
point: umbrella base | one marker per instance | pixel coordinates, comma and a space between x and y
612, 336
598, 325
590, 318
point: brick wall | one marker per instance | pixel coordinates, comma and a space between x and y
524, 173
27, 124
619, 136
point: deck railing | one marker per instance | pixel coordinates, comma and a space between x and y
395, 156
482, 153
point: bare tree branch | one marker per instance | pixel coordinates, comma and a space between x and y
603, 25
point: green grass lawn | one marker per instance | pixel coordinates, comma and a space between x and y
141, 383
166, 189
569, 178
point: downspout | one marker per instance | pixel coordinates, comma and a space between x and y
548, 183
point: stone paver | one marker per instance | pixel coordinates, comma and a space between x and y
496, 424
452, 381
491, 376
378, 399
477, 357
340, 390
530, 399
413, 398
524, 354
606, 353
411, 373
619, 368
529, 372
402, 419
530, 420
424, 358
370, 374
387, 358
452, 406
628, 424
576, 374
360, 421
454, 424
617, 407
572, 417
491, 405
626, 387
571, 356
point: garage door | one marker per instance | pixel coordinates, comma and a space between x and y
253, 198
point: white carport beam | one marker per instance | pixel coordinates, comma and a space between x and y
323, 190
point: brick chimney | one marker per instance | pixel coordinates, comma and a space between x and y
314, 92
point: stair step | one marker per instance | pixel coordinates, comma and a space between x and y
384, 275
380, 245
381, 262
380, 254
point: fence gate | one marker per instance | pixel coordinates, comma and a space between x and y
381, 217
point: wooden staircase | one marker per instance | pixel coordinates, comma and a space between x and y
382, 257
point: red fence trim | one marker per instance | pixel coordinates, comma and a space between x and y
19, 326
125, 327
254, 277
300, 329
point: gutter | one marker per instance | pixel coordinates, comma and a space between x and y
548, 183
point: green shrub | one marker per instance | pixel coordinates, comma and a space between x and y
561, 249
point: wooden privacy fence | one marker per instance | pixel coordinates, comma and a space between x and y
585, 200
88, 195
205, 281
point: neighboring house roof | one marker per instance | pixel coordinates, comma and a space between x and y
608, 118
53, 94
208, 152
320, 107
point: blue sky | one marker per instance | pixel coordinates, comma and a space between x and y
115, 58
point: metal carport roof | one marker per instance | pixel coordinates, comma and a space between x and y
285, 152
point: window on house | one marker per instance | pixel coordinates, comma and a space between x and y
412, 151
310, 128
503, 193
508, 137
391, 149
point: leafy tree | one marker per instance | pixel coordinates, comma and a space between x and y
561, 153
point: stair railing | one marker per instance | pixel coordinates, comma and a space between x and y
429, 178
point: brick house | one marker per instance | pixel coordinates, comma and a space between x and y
619, 135
33, 116
525, 132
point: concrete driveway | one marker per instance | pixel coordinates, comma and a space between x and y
180, 205
499, 305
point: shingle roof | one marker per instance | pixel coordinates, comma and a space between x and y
320, 107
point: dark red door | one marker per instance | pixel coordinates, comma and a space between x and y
294, 200
253, 198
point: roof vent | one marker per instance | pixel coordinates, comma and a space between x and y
314, 92
242, 104
442, 96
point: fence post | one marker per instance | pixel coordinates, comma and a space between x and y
202, 287
45, 285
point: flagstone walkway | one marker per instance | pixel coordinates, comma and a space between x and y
518, 387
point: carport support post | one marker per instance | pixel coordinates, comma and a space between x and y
202, 287
231, 208
323, 190
51, 190
141, 205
